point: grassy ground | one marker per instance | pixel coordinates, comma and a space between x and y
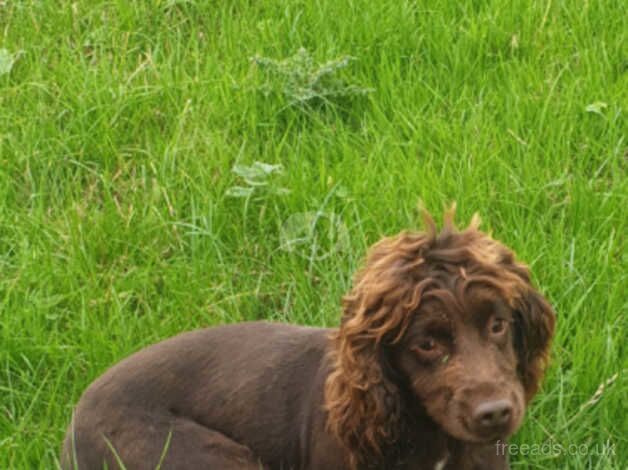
132, 206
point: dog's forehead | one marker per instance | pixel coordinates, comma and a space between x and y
477, 301
480, 298
432, 310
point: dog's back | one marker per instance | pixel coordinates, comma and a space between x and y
198, 379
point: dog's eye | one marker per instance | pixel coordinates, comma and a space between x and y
428, 349
427, 345
498, 326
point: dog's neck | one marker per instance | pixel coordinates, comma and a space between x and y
421, 438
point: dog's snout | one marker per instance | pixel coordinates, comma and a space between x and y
493, 415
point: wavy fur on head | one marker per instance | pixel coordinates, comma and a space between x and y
363, 402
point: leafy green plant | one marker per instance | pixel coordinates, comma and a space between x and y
304, 83
256, 178
7, 60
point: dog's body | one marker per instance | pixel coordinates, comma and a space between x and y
204, 386
442, 344
261, 408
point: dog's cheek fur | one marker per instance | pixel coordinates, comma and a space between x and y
439, 392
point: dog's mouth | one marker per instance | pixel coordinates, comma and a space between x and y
476, 437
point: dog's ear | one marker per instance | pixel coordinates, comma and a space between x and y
363, 404
534, 328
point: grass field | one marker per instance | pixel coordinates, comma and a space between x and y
166, 165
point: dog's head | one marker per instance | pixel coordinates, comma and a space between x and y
448, 320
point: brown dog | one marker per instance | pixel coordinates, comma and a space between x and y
442, 343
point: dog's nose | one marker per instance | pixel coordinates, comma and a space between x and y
493, 414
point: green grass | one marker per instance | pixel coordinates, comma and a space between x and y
121, 122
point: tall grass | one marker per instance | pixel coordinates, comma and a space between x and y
139, 200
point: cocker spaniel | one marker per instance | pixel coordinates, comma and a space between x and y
442, 343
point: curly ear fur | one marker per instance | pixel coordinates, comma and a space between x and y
363, 403
534, 328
